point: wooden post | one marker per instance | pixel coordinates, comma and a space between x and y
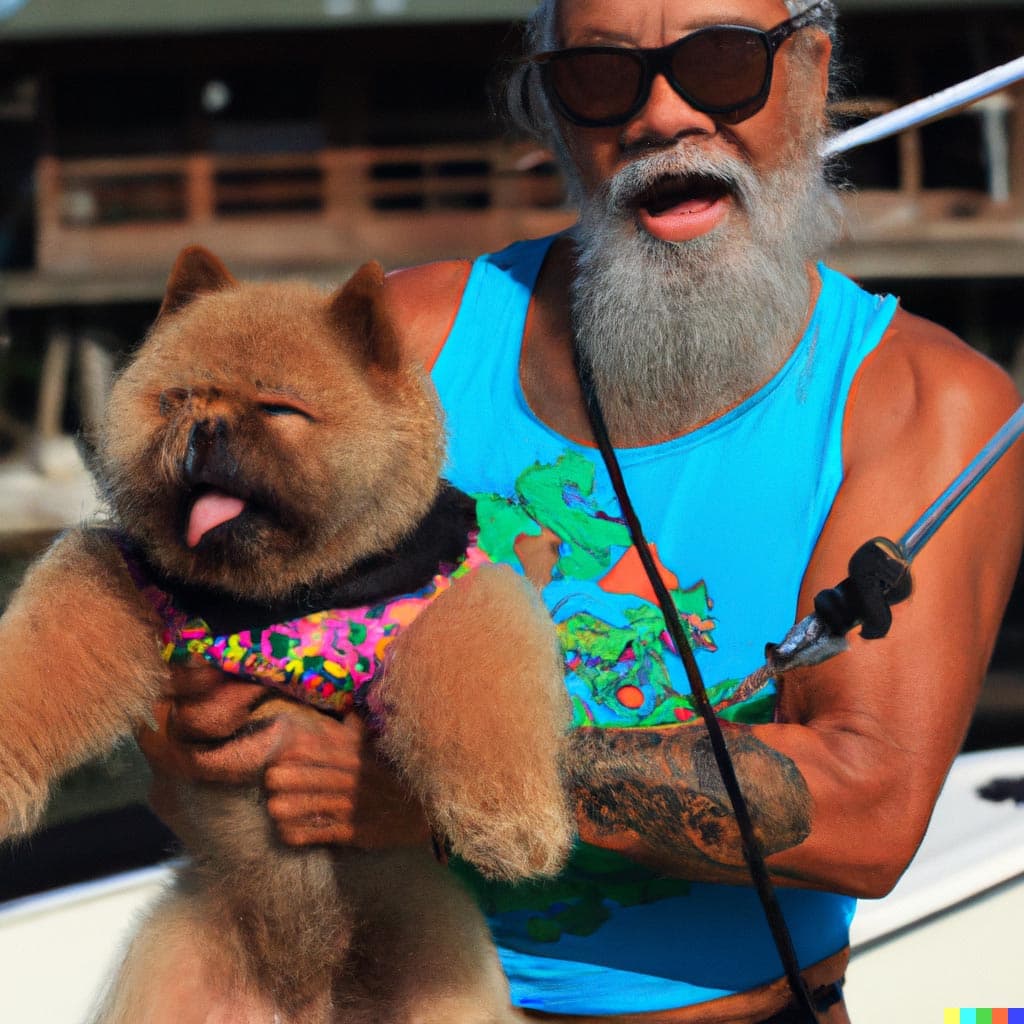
911, 164
53, 382
200, 200
95, 371
346, 190
911, 157
1016, 96
48, 208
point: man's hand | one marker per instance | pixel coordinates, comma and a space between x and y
325, 782
210, 734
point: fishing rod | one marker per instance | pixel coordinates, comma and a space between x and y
879, 571
923, 111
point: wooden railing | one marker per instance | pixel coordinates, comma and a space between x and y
406, 204
338, 205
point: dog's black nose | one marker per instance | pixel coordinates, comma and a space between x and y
207, 458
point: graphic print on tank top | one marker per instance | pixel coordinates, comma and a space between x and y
615, 640
553, 527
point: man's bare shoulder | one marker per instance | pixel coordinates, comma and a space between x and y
925, 386
424, 300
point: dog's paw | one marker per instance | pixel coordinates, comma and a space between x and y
21, 805
507, 847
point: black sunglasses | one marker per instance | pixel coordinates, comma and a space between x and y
723, 70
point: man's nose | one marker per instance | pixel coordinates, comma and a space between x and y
666, 117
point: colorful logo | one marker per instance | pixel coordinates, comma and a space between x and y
974, 1015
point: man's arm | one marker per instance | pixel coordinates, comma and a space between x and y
656, 795
841, 787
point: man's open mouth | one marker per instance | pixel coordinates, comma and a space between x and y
681, 194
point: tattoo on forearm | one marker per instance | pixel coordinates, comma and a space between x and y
664, 785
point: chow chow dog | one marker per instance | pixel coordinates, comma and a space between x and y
268, 457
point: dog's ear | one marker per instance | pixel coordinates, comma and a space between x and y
358, 310
196, 270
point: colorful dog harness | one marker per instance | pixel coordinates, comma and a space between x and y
323, 658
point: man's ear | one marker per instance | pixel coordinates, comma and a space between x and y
358, 311
196, 270
823, 61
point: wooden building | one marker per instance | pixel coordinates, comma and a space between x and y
315, 133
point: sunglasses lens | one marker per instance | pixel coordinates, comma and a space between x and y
595, 86
722, 70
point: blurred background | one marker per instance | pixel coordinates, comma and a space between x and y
306, 136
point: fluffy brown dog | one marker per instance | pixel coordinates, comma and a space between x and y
267, 453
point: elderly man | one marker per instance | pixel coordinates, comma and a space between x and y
769, 417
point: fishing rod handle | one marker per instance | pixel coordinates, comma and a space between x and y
879, 578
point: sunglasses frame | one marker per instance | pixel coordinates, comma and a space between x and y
654, 61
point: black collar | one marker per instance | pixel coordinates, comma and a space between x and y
440, 538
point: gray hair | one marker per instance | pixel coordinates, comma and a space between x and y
524, 103
824, 19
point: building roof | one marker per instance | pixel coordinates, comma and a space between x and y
26, 19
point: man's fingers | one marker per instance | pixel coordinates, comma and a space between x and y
309, 808
299, 778
153, 742
240, 761
215, 715
312, 819
316, 834
193, 681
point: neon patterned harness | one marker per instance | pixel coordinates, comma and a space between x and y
324, 658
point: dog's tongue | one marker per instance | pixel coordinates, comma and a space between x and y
209, 511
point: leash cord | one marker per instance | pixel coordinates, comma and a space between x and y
751, 847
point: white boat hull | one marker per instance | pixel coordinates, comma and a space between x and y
948, 935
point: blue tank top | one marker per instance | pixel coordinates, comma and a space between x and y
734, 510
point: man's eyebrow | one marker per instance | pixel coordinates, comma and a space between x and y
594, 36
728, 19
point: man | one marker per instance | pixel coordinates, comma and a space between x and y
769, 417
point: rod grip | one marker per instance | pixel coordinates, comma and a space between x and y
879, 578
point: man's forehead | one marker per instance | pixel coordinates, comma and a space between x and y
672, 16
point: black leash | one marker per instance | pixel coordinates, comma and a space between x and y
751, 847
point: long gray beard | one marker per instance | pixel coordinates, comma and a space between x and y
678, 333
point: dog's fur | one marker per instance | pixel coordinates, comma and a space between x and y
335, 443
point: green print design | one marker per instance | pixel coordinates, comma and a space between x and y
622, 666
621, 678
574, 903
560, 498
616, 661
